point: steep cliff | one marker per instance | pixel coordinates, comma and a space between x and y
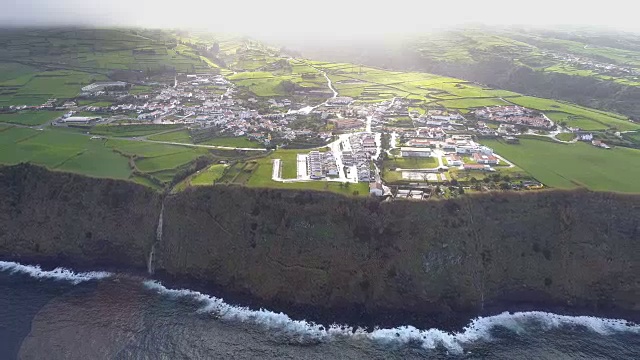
61, 218
436, 262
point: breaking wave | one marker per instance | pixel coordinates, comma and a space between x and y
59, 273
479, 328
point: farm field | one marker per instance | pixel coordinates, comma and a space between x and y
74, 152
62, 151
30, 118
605, 119
574, 165
130, 130
181, 136
209, 175
239, 142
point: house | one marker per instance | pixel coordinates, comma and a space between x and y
455, 160
415, 152
485, 159
375, 189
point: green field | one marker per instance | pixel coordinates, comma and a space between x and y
130, 130
59, 149
180, 136
471, 103
209, 175
574, 165
236, 142
412, 163
30, 118
566, 136
605, 119
63, 151
168, 161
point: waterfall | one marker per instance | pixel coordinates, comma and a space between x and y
160, 221
158, 239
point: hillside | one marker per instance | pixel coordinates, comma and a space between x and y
593, 69
437, 262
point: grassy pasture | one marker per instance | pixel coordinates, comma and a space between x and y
181, 136
238, 142
609, 120
131, 130
471, 103
168, 161
30, 118
574, 165
62, 150
209, 175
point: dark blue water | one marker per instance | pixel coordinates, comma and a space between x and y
67, 316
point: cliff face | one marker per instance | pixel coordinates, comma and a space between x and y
433, 260
74, 220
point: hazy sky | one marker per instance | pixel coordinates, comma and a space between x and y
321, 16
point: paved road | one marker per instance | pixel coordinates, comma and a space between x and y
275, 175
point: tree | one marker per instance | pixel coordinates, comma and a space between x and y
506, 178
461, 190
505, 185
473, 180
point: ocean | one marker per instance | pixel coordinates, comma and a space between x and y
61, 314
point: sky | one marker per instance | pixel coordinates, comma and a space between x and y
328, 17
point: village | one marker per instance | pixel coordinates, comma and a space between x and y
348, 141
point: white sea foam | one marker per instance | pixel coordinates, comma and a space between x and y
478, 330
56, 274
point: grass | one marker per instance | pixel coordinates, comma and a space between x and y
167, 162
471, 103
30, 118
181, 136
606, 119
576, 121
566, 136
130, 130
236, 142
574, 165
209, 175
412, 163
62, 150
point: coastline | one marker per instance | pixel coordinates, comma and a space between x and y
354, 317
361, 263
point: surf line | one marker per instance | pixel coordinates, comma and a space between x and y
59, 273
479, 329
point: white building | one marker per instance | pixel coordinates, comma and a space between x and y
415, 152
